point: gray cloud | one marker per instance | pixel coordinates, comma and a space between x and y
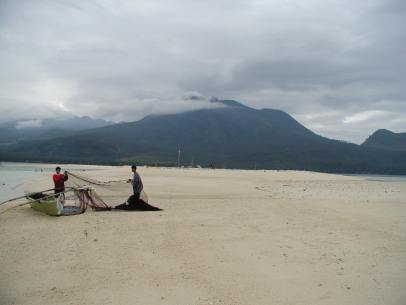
336, 66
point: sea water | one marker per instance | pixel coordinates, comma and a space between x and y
13, 176
383, 178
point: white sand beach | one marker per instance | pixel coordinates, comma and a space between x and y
225, 237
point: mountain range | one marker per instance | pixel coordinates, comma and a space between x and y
229, 136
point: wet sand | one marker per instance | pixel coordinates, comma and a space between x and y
225, 237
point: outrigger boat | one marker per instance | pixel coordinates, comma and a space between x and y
72, 201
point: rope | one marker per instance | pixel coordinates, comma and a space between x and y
92, 181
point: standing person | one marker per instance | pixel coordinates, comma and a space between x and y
137, 183
134, 202
59, 180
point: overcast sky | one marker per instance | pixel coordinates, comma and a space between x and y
337, 66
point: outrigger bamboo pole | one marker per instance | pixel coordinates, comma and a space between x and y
46, 196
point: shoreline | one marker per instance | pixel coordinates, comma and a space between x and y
113, 164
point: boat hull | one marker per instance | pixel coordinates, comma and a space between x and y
54, 206
48, 206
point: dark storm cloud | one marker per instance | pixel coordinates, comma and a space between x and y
336, 66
